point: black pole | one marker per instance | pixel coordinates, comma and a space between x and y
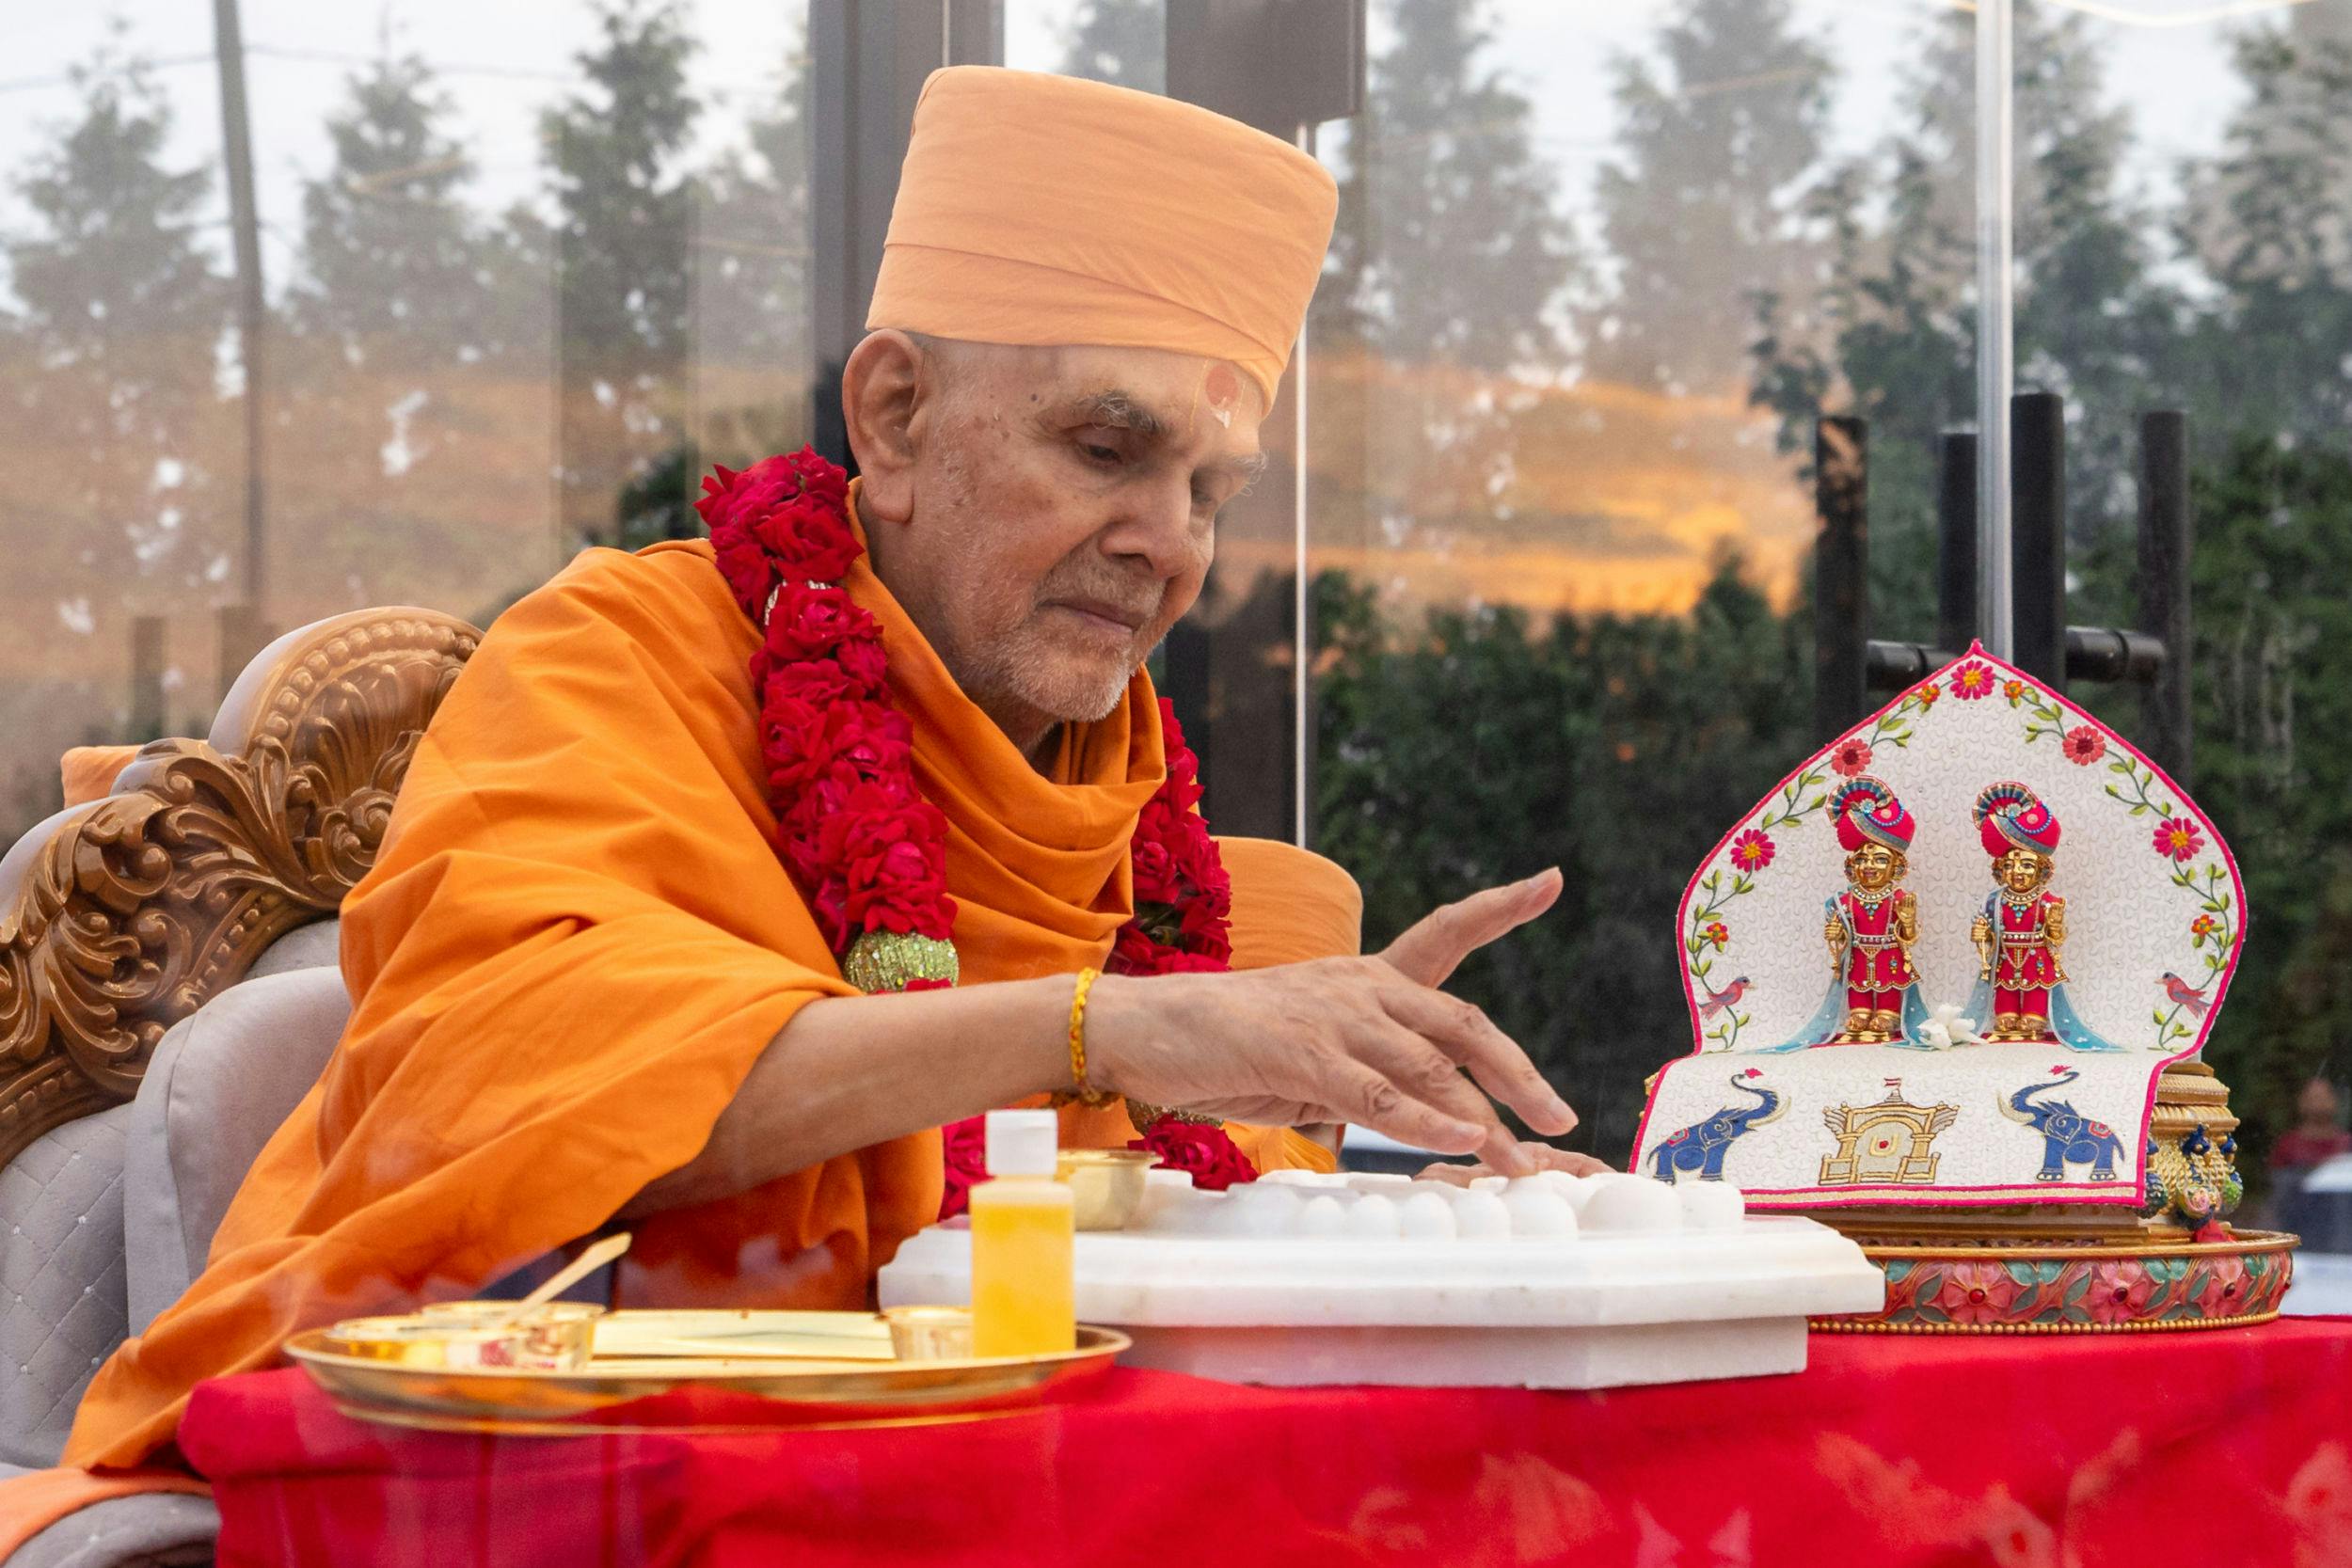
2166, 538
1840, 572
1956, 540
2038, 534
869, 63
244, 229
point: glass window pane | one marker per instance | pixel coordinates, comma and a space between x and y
1598, 270
527, 268
2185, 244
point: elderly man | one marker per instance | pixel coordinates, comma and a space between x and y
683, 910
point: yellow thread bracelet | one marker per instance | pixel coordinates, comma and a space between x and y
1087, 1094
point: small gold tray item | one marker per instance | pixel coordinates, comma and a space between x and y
837, 1369
555, 1336
1105, 1184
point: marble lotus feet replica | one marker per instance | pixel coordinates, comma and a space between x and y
1998, 1092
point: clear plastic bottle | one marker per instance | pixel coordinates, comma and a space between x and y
1022, 1234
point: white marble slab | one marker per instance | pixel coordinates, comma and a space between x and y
1551, 1282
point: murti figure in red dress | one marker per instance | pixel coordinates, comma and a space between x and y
2022, 933
1874, 920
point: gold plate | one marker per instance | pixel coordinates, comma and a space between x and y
815, 1390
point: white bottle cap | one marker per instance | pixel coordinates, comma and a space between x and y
1023, 1143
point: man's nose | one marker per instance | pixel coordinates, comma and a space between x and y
1155, 529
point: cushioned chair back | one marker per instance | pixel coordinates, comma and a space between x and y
218, 1086
62, 1295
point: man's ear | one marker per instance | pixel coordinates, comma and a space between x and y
883, 389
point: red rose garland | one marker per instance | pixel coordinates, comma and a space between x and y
854, 832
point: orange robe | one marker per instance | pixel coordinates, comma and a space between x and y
576, 942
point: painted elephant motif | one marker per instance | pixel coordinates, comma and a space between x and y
2068, 1136
1700, 1147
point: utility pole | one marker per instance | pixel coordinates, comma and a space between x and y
243, 628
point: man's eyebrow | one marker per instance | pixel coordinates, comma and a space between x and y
1121, 410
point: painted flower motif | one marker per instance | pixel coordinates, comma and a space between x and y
2225, 1288
1971, 681
1718, 933
1753, 851
2014, 691
2176, 838
2085, 745
1977, 1293
2204, 927
1851, 757
1927, 694
2118, 1292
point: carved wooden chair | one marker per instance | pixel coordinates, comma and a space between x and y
168, 987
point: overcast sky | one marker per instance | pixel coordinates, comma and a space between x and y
504, 60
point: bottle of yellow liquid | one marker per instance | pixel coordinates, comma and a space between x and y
1021, 1232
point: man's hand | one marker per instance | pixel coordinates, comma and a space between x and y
1540, 1156
1364, 1040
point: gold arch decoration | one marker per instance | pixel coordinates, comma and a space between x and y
150, 902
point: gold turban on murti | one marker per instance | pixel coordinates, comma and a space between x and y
1046, 210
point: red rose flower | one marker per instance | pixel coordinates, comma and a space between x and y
793, 742
1851, 757
748, 572
813, 622
1971, 681
2176, 838
2085, 745
1155, 873
1199, 1147
818, 682
875, 742
963, 1148
1753, 851
1206, 932
863, 661
809, 537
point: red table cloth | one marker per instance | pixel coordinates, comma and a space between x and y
2229, 1446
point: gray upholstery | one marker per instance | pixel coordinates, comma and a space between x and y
220, 1082
316, 945
153, 1529
62, 1308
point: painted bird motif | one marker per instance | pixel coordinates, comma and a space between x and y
1717, 1002
2186, 995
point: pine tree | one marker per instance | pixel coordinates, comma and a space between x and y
2270, 222
623, 239
1451, 247
1448, 257
1701, 208
123, 319
750, 303
1892, 334
1123, 42
395, 269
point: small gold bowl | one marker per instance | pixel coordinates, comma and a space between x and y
929, 1333
554, 1337
1105, 1184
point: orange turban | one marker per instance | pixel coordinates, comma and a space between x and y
1046, 210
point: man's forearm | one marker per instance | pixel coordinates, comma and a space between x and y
849, 1072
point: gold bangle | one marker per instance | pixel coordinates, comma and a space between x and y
1087, 1094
